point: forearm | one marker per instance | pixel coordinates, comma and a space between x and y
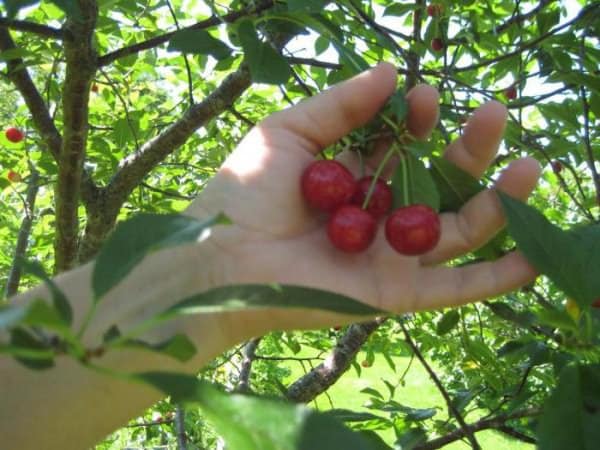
71, 406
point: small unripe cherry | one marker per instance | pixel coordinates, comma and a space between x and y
413, 230
366, 364
327, 184
14, 134
381, 197
351, 229
13, 176
437, 44
510, 93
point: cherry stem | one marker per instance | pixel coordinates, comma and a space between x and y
377, 174
405, 175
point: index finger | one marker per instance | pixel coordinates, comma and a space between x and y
324, 119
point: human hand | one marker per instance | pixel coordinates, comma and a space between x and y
275, 237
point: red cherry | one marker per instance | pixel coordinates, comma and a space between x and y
381, 198
13, 176
510, 93
557, 166
14, 134
327, 184
95, 88
437, 44
596, 303
337, 328
351, 229
434, 10
413, 230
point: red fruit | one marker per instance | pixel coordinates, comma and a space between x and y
327, 185
351, 229
381, 198
95, 88
557, 166
413, 230
510, 93
13, 176
434, 10
337, 328
365, 364
596, 303
14, 134
437, 44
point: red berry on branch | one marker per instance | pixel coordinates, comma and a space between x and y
14, 134
95, 88
413, 230
434, 10
351, 229
13, 176
596, 303
557, 166
437, 44
510, 93
327, 185
381, 197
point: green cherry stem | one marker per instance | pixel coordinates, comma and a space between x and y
405, 175
377, 174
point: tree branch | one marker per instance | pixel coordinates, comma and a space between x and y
498, 422
464, 428
530, 44
31, 27
80, 69
249, 354
335, 365
134, 168
18, 74
154, 42
14, 276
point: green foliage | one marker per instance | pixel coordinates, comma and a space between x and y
527, 350
139, 236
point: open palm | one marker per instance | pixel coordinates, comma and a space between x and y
277, 238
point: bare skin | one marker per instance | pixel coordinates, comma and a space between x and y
275, 238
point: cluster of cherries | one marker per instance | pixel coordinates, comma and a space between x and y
330, 187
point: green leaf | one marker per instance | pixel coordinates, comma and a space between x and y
415, 177
313, 6
266, 64
199, 42
136, 238
567, 258
448, 321
397, 106
179, 347
241, 297
557, 319
41, 314
70, 7
454, 185
59, 299
250, 423
346, 415
13, 6
22, 339
571, 416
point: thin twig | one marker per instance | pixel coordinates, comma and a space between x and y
466, 429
